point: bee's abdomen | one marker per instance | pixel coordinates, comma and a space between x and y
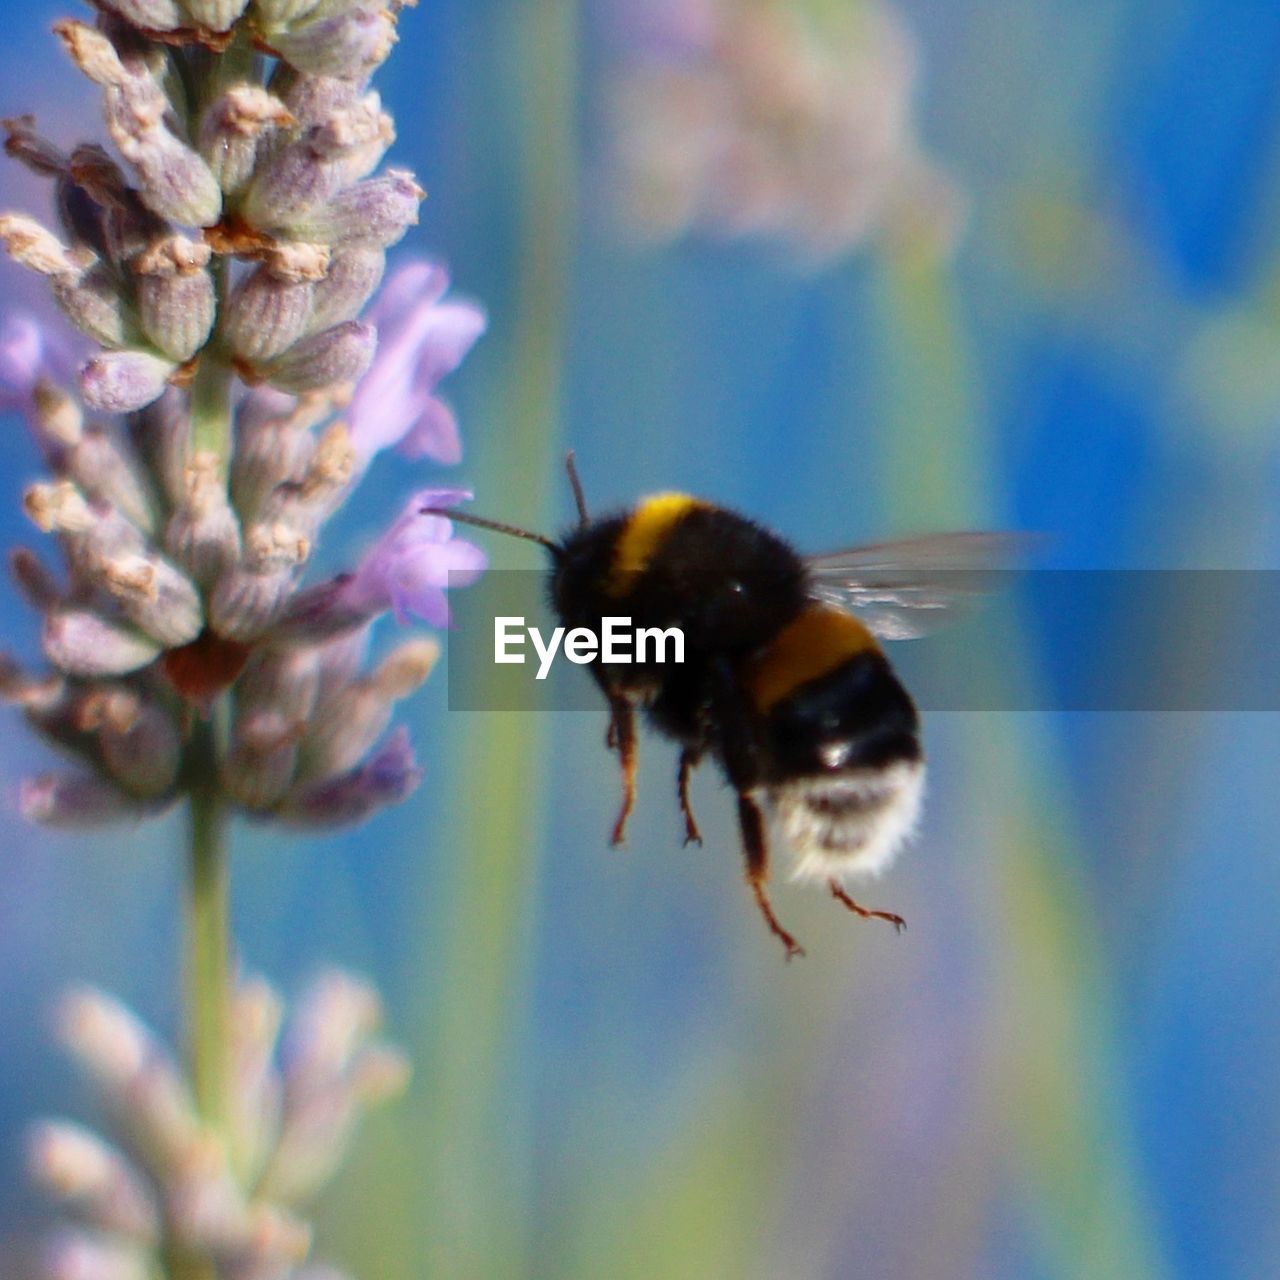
829, 699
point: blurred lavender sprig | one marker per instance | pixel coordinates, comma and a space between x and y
782, 120
169, 1192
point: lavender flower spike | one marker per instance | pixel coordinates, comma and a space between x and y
421, 339
216, 267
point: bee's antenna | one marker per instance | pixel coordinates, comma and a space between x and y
496, 526
576, 485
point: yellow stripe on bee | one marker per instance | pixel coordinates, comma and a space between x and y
644, 532
814, 645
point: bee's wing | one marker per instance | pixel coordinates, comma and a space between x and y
906, 589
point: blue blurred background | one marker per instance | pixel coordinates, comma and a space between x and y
1069, 1066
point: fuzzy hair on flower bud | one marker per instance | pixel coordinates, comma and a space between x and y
234, 127
269, 311
337, 355
215, 15
150, 15
176, 302
122, 381
377, 212
347, 45
32, 246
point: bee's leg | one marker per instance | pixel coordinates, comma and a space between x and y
689, 760
622, 739
751, 820
742, 756
839, 894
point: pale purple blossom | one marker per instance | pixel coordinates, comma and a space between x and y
28, 353
422, 337
389, 776
411, 565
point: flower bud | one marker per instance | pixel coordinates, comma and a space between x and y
86, 644
82, 1255
35, 247
140, 743
59, 507
312, 99
176, 301
92, 52
355, 271
330, 470
150, 15
362, 133
251, 596
173, 181
307, 171
203, 534
254, 1122
38, 585
78, 1167
139, 1080
348, 45
259, 767
32, 149
273, 445
269, 310
386, 778
161, 434
153, 595
215, 15
92, 301
346, 725
377, 212
279, 13
122, 381
99, 208
57, 417
106, 470
234, 127
337, 355
74, 801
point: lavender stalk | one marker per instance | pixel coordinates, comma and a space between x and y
223, 399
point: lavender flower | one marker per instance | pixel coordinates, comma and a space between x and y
752, 119
186, 548
422, 338
180, 1190
216, 267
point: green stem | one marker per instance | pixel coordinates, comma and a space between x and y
211, 391
208, 952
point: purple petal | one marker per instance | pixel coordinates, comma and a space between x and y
421, 340
387, 777
411, 565
412, 285
28, 353
434, 435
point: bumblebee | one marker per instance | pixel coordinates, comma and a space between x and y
783, 684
